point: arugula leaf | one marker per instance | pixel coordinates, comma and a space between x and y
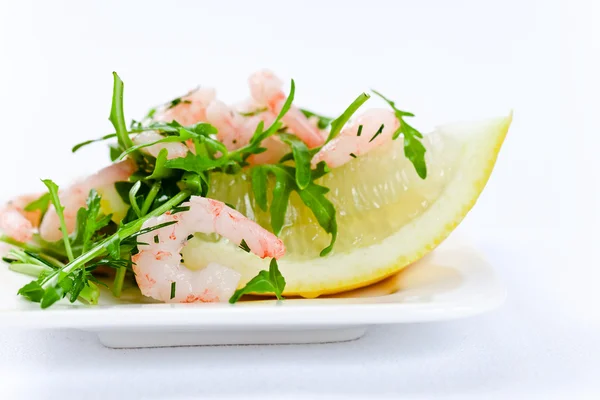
338, 123
133, 200
137, 147
41, 204
314, 198
284, 184
115, 153
259, 186
302, 158
82, 144
414, 150
323, 121
92, 223
195, 163
32, 291
270, 281
53, 190
196, 183
160, 171
260, 135
117, 117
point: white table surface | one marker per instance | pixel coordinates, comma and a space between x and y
537, 221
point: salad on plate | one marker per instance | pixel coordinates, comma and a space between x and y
208, 202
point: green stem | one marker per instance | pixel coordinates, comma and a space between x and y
117, 287
117, 117
90, 293
121, 234
150, 197
25, 246
29, 269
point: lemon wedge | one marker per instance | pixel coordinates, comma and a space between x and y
387, 216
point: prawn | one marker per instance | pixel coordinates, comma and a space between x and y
18, 223
265, 89
159, 270
235, 131
190, 109
174, 149
372, 129
75, 196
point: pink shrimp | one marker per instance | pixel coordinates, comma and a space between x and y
348, 144
265, 88
235, 131
18, 223
158, 267
191, 109
174, 149
75, 196
230, 125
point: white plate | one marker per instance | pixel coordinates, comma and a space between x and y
452, 282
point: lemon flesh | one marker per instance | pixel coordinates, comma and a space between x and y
387, 216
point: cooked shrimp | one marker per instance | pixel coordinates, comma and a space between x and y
235, 131
18, 223
191, 109
230, 125
158, 266
75, 196
265, 88
348, 144
174, 149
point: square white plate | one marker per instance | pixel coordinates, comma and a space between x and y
452, 282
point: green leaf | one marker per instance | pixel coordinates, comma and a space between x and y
195, 163
259, 186
302, 159
41, 204
51, 296
113, 247
196, 183
103, 138
117, 116
160, 169
123, 189
414, 150
276, 278
133, 200
115, 153
270, 281
314, 198
323, 121
137, 147
92, 224
393, 105
284, 184
32, 291
53, 189
338, 123
260, 136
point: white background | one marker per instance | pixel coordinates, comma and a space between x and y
445, 60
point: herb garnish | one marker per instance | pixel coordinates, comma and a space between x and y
413, 148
